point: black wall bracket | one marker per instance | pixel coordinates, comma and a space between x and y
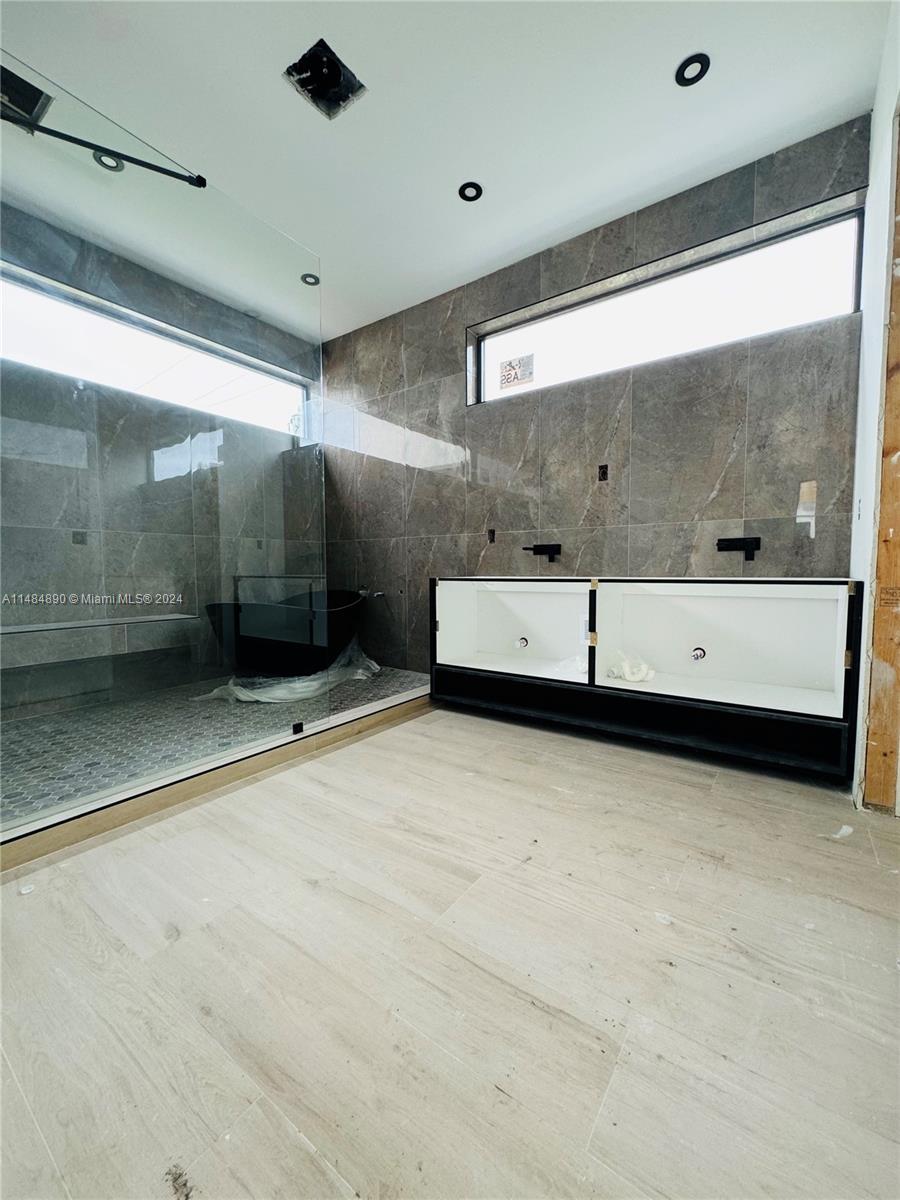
551, 549
749, 545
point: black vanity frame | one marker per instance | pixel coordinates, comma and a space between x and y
821, 746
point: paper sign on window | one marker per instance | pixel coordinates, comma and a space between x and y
517, 370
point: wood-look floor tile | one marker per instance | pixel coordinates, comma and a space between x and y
262, 1155
766, 1012
520, 1035
121, 1081
465, 957
28, 1170
686, 1121
392, 1111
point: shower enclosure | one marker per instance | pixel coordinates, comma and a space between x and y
165, 601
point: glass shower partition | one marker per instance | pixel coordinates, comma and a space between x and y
163, 550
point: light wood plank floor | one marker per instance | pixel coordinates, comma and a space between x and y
462, 958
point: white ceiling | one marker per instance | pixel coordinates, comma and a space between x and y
567, 113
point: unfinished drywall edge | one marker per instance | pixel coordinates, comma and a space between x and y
875, 304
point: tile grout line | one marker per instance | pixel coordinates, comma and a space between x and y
263, 1095
874, 848
36, 1123
434, 924
606, 1090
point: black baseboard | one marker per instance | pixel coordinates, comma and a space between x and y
810, 745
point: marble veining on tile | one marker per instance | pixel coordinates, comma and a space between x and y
828, 164
689, 423
589, 257
503, 452
802, 417
586, 426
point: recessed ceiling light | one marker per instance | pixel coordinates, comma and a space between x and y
692, 70
309, 279
109, 162
470, 191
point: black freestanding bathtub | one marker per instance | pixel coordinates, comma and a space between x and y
297, 636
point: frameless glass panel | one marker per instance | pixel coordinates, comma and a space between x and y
519, 627
808, 277
776, 646
164, 597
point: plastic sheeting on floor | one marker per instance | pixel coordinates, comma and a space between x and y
351, 663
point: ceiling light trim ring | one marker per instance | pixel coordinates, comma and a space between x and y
109, 162
700, 60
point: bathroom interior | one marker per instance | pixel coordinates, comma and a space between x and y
449, 691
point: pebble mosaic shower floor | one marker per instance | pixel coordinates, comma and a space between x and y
59, 760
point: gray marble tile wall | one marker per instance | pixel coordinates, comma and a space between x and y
700, 447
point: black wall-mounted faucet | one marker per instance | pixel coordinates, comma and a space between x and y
749, 545
551, 549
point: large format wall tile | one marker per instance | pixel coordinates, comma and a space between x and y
506, 555
683, 549
381, 470
788, 548
427, 557
436, 457
52, 687
54, 561
29, 242
150, 563
145, 463
337, 364
435, 410
504, 291
342, 565
435, 500
130, 286
586, 425
700, 214
376, 358
802, 417
280, 479
301, 499
288, 351
688, 437
48, 441
63, 645
381, 567
502, 440
220, 323
588, 257
434, 343
340, 493
829, 164
228, 459
226, 564
602, 551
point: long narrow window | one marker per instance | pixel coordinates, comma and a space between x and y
58, 335
803, 278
